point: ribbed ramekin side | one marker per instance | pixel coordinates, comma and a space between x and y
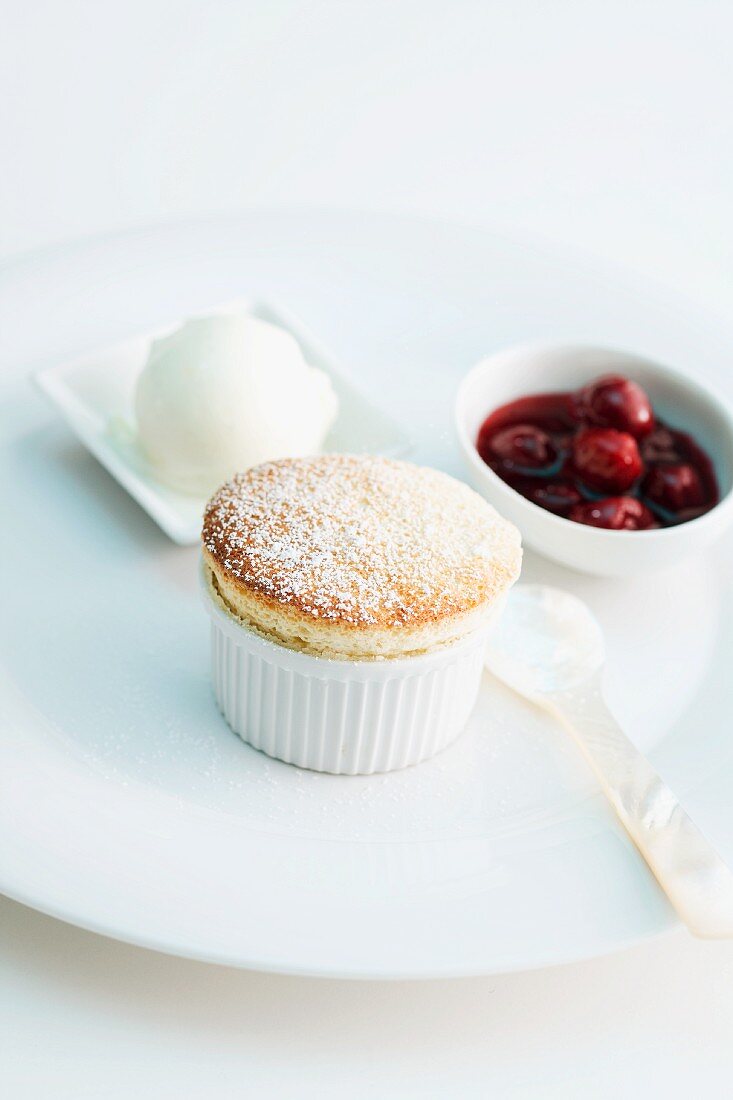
356, 722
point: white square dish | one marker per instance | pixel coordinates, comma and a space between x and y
95, 393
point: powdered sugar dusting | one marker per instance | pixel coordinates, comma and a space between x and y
361, 540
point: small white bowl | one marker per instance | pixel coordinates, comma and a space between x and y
343, 717
682, 402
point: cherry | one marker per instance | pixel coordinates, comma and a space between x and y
606, 460
660, 446
614, 514
674, 487
556, 497
522, 446
615, 402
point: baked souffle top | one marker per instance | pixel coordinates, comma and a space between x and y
356, 557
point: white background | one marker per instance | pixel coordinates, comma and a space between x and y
606, 126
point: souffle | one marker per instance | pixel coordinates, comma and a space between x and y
356, 558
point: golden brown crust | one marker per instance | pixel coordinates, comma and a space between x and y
357, 545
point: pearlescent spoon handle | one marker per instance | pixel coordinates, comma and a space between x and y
694, 877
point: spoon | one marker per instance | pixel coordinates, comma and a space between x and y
548, 647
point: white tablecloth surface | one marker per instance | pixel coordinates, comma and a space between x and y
85, 1017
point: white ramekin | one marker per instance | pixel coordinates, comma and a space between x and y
344, 717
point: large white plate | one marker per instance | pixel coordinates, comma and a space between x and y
126, 804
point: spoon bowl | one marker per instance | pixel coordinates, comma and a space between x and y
546, 641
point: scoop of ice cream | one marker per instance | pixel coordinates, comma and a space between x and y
226, 392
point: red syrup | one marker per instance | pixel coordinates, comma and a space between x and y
599, 456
